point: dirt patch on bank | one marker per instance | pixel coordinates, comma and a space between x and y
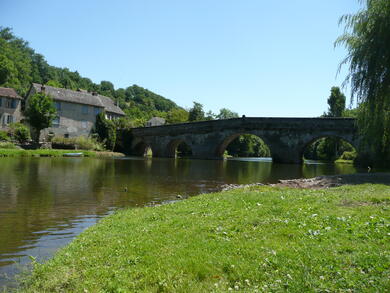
336, 180
323, 181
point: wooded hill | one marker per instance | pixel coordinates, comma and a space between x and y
20, 65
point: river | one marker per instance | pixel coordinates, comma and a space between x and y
46, 202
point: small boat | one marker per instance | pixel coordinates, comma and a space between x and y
73, 154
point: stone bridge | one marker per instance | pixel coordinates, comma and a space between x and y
286, 138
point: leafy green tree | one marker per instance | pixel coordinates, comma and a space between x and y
40, 113
196, 113
367, 40
336, 102
54, 83
248, 145
177, 115
105, 130
225, 113
210, 115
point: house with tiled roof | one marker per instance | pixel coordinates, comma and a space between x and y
76, 110
10, 107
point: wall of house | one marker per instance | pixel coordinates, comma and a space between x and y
5, 111
73, 120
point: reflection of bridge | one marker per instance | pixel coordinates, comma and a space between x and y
286, 137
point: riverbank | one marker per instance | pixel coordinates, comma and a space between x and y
54, 153
256, 238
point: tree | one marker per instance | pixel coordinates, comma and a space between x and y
177, 115
367, 40
336, 102
106, 131
40, 113
196, 113
210, 115
226, 114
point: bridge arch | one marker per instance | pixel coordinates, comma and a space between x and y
141, 148
316, 138
177, 145
224, 144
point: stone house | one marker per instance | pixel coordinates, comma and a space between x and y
76, 110
155, 121
10, 107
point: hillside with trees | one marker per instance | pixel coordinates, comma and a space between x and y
20, 65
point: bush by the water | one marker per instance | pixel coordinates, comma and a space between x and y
4, 136
7, 145
19, 132
80, 142
106, 131
350, 156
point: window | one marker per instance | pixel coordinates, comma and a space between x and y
10, 119
1, 101
58, 106
56, 122
85, 109
8, 103
96, 110
14, 104
84, 124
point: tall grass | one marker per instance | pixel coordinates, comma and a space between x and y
79, 143
7, 145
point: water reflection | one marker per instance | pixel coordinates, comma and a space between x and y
45, 202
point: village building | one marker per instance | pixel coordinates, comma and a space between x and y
155, 121
10, 107
76, 110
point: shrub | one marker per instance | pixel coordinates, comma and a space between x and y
349, 155
19, 132
4, 136
106, 131
80, 142
7, 145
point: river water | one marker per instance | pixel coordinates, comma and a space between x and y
46, 202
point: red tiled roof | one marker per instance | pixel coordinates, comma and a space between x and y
9, 93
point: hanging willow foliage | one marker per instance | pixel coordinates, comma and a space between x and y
367, 40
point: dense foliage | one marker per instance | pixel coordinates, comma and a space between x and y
196, 113
40, 113
248, 145
19, 132
331, 148
105, 130
336, 103
367, 40
76, 143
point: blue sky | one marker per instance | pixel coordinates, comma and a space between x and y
255, 57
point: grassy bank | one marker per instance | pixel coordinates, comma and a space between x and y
53, 153
257, 238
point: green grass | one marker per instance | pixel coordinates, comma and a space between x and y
342, 161
52, 153
257, 238
7, 145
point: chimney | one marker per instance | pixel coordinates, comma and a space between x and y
43, 88
94, 93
